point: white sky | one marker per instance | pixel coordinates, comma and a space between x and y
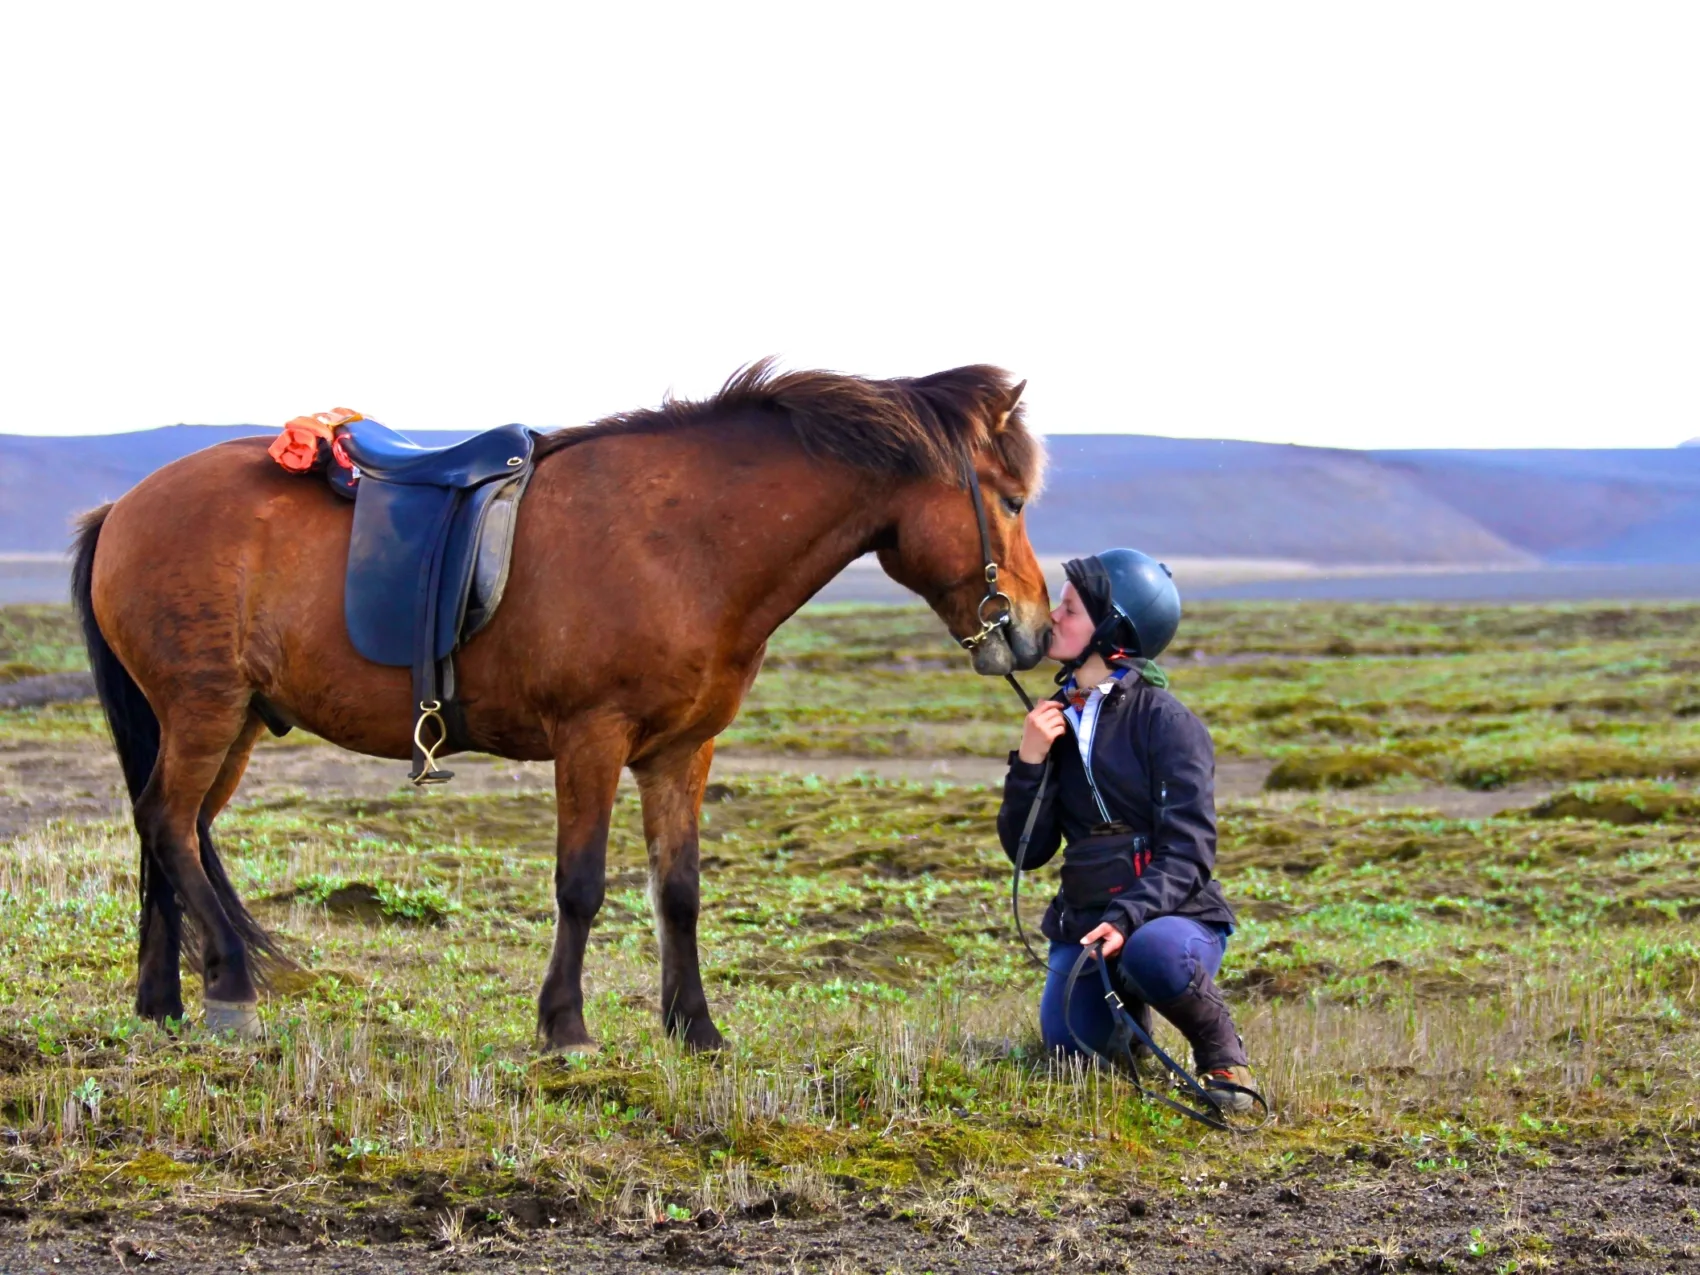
1355, 224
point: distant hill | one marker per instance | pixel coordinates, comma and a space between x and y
46, 482
1180, 497
1609, 505
1195, 498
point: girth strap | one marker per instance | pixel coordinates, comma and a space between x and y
433, 680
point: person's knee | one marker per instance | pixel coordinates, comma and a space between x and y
1159, 960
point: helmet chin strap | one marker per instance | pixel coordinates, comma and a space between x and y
1098, 644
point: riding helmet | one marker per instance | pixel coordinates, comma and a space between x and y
1132, 598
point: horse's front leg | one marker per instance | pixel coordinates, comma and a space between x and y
587, 772
672, 785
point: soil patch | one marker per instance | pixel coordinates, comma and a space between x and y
41, 782
46, 688
1602, 1208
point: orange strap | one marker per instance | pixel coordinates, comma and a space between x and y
297, 447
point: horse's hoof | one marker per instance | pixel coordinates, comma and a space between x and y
237, 1019
585, 1047
698, 1035
162, 1015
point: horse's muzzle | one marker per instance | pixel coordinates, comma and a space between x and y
1028, 644
1011, 649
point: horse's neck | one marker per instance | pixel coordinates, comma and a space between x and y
838, 516
730, 530
769, 529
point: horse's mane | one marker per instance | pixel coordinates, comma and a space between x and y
909, 427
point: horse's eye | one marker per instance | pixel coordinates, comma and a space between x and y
1013, 504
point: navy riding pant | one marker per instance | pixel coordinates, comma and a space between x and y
1160, 962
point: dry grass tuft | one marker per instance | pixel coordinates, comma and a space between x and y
1623, 1243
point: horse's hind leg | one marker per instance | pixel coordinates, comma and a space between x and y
159, 973
672, 787
159, 963
234, 767
587, 772
196, 747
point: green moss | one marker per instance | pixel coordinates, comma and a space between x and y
1620, 804
1571, 762
40, 638
1314, 771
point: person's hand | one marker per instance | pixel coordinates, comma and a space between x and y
1040, 731
1111, 936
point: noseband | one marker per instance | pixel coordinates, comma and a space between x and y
996, 600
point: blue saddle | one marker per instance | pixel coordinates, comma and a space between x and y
428, 559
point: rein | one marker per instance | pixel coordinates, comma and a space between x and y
1128, 1032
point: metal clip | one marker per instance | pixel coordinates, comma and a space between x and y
991, 626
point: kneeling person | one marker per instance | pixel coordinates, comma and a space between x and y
1132, 796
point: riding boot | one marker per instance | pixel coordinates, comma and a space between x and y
1141, 1013
1202, 1016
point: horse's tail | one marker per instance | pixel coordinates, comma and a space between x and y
135, 729
135, 733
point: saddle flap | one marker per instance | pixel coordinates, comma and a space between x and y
389, 553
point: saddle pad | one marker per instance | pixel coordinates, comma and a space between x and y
297, 448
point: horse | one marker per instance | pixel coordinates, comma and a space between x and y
655, 553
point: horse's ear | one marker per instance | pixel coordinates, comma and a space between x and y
1009, 405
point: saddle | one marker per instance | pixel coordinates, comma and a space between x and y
428, 558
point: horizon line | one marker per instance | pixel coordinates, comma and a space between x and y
1105, 433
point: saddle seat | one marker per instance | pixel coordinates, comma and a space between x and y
382, 453
428, 560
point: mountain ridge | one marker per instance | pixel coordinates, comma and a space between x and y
1181, 497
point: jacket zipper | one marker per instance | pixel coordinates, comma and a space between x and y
1157, 817
1103, 810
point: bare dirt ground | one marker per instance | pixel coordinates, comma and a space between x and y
40, 781
1603, 1211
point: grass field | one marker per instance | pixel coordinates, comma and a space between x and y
1339, 696
1439, 998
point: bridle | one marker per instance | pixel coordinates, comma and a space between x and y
996, 600
1002, 609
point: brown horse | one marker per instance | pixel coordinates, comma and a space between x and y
655, 554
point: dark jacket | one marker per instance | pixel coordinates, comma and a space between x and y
1146, 740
